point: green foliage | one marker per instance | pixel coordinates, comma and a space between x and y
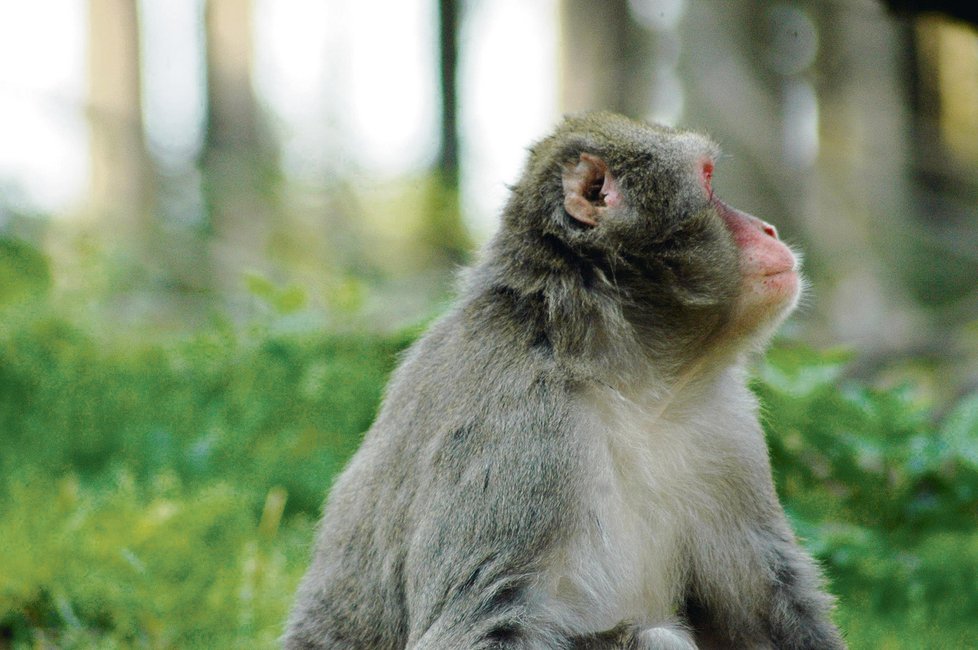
163, 495
143, 485
282, 301
886, 498
24, 272
215, 405
129, 564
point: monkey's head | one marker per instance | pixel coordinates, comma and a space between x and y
628, 209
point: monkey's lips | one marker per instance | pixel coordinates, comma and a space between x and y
771, 272
789, 270
770, 260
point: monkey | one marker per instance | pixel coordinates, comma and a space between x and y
571, 457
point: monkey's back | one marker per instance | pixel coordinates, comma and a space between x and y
444, 480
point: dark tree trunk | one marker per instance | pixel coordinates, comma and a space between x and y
448, 22
444, 233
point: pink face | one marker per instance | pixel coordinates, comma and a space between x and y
769, 269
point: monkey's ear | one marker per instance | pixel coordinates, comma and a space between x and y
589, 189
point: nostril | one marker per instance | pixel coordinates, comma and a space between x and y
762, 226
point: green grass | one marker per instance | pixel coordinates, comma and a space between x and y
165, 495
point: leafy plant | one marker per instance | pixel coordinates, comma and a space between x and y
887, 499
163, 494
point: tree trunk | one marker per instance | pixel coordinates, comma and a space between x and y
120, 176
238, 167
605, 58
443, 231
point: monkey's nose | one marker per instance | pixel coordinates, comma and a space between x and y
769, 229
731, 215
764, 227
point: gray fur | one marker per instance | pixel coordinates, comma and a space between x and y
471, 515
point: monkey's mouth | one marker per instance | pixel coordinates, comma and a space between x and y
778, 285
769, 269
772, 264
776, 272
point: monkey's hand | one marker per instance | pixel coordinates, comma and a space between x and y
627, 636
665, 637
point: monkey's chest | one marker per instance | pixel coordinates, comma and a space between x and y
646, 496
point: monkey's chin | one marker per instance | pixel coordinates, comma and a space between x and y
767, 300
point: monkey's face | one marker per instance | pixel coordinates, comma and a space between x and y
638, 205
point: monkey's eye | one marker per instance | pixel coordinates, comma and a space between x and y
706, 176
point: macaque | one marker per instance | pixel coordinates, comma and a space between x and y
571, 458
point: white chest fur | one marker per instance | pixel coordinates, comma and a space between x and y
657, 478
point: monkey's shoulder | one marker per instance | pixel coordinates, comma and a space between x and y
467, 361
460, 399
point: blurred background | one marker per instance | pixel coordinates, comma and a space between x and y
170, 157
221, 219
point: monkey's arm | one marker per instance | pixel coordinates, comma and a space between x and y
763, 591
502, 495
499, 496
800, 607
